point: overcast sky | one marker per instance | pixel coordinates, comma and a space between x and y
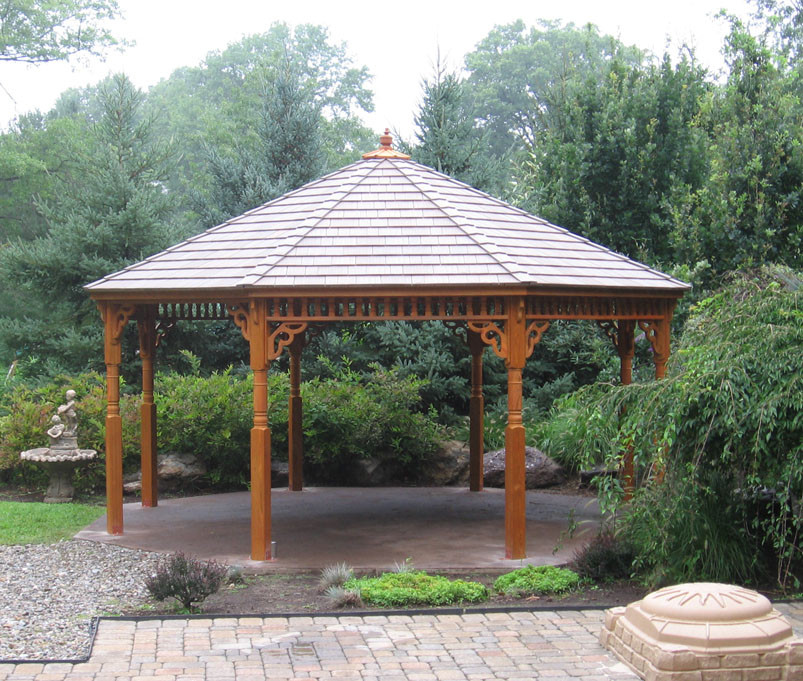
397, 42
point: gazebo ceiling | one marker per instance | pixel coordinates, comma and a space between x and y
385, 221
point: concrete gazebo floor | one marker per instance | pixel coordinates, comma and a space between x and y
440, 528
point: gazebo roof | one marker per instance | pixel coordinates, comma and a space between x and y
385, 221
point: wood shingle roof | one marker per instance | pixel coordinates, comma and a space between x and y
385, 222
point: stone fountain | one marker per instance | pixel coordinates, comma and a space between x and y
63, 456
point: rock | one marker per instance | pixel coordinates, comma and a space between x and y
541, 471
448, 466
587, 476
279, 473
370, 473
173, 470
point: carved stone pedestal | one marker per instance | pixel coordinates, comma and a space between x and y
60, 465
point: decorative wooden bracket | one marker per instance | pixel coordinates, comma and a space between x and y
241, 316
147, 334
534, 332
458, 329
621, 335
114, 317
491, 335
656, 333
282, 335
162, 329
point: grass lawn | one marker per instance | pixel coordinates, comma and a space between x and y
35, 523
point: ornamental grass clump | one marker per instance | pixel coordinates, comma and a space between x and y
344, 598
532, 580
400, 589
186, 579
334, 576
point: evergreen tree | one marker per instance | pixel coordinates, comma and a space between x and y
448, 137
110, 211
286, 155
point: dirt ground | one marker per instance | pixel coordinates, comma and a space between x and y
299, 593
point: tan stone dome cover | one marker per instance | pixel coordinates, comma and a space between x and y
677, 632
705, 616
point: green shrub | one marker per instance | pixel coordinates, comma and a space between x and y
186, 579
726, 427
346, 417
25, 413
607, 557
399, 589
535, 580
353, 416
210, 417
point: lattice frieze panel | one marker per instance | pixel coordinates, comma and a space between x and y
385, 308
193, 311
579, 307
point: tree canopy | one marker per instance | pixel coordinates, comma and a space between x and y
37, 31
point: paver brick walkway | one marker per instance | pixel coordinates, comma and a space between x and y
515, 646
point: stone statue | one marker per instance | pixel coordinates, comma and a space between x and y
63, 455
55, 431
67, 412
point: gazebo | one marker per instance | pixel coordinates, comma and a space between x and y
382, 239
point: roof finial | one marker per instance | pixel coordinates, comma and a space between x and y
386, 150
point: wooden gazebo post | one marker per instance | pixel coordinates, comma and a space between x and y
515, 492
295, 445
476, 413
253, 322
115, 317
146, 325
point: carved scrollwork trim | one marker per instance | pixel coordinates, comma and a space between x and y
162, 329
534, 332
611, 329
282, 335
120, 316
240, 315
659, 340
491, 335
458, 329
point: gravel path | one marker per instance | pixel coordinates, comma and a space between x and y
50, 592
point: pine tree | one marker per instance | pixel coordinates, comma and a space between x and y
287, 155
448, 137
111, 211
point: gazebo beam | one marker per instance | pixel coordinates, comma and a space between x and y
146, 326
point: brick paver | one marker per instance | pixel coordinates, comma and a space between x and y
515, 646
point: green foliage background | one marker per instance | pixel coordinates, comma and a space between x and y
724, 429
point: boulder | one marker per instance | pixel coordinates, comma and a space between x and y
448, 466
279, 473
373, 472
587, 477
541, 471
172, 470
